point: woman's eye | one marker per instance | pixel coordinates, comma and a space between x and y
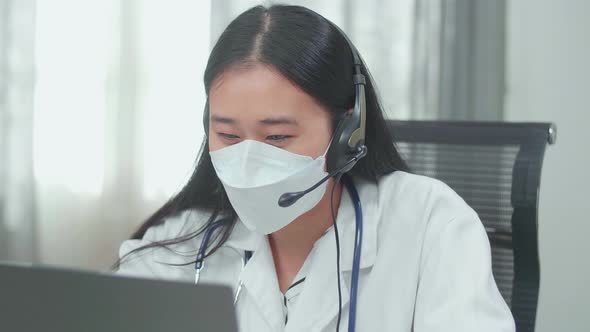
277, 138
228, 136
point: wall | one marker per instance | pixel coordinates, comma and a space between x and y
548, 79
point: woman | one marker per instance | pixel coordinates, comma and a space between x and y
281, 82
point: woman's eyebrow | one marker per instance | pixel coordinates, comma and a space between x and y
279, 120
221, 119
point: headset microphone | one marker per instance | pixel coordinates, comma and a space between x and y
288, 199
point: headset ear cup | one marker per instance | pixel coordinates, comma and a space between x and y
339, 151
332, 154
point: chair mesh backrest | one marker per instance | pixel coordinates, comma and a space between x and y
495, 167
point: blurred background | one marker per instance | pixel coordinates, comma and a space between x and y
101, 104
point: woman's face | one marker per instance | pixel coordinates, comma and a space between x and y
258, 103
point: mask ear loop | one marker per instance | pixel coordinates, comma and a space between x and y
327, 148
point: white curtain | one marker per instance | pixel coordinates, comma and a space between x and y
112, 124
18, 236
100, 121
458, 65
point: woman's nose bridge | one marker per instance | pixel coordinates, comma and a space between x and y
252, 131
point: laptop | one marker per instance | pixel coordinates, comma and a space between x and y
34, 298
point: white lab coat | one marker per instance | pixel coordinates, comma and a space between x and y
425, 265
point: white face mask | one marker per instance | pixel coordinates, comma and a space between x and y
256, 174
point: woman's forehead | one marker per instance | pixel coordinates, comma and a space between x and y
259, 91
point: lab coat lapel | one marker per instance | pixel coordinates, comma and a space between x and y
261, 286
318, 303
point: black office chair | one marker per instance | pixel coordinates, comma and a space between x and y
496, 168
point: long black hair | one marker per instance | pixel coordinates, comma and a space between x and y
311, 52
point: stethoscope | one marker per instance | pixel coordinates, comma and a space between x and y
358, 240
200, 261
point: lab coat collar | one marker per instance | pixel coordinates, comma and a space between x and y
262, 286
241, 238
